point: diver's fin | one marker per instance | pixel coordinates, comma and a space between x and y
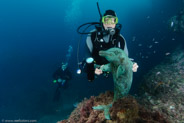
57, 95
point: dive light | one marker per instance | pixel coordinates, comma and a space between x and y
90, 68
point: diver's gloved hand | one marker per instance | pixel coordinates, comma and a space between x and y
135, 67
98, 70
59, 80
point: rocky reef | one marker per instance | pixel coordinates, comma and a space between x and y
124, 110
163, 87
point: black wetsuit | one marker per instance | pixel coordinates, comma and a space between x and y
96, 42
64, 75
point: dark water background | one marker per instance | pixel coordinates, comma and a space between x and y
34, 38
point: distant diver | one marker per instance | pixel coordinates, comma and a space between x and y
62, 75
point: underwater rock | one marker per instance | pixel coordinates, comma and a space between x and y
164, 92
176, 23
124, 110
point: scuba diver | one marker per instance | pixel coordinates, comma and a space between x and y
62, 75
97, 41
105, 36
176, 23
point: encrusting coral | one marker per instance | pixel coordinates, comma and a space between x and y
124, 110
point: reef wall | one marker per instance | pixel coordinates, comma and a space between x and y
163, 87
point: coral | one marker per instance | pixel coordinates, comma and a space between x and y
124, 110
87, 107
127, 110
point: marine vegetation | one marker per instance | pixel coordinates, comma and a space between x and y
123, 110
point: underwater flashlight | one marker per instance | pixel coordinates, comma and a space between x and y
54, 81
90, 68
79, 71
89, 60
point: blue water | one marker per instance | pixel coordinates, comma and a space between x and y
34, 38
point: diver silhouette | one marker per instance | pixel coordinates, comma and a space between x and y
62, 75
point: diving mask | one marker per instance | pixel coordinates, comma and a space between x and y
109, 20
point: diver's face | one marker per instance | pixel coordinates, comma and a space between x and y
109, 23
106, 26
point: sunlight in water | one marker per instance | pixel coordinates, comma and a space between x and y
73, 12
